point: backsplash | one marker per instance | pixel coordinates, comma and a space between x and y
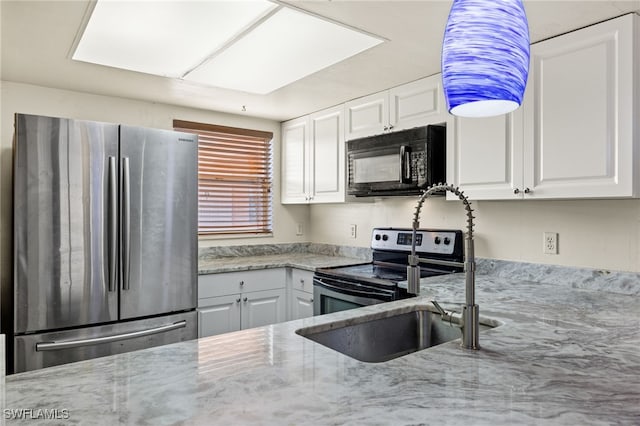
208, 253
581, 278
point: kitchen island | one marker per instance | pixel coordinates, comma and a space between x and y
561, 355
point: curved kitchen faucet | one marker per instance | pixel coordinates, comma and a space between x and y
469, 320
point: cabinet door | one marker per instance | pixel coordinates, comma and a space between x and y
295, 162
302, 305
579, 113
484, 156
328, 150
367, 116
417, 104
217, 315
302, 280
263, 308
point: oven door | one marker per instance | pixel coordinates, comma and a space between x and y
335, 295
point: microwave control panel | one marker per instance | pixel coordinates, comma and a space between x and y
418, 167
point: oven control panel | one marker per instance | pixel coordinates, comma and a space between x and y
427, 241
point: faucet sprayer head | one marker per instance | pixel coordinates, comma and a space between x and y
450, 188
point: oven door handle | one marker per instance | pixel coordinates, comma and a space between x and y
339, 289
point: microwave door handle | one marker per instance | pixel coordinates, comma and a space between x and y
405, 164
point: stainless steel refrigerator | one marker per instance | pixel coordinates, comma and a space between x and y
105, 240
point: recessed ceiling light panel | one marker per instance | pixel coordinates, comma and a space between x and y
286, 47
165, 38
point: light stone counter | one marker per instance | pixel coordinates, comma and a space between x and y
561, 356
305, 256
307, 261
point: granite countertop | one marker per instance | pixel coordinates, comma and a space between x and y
307, 261
560, 356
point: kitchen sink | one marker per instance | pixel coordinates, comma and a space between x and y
381, 339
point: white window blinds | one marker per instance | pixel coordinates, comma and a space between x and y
234, 179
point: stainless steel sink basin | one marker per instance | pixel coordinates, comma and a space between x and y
382, 339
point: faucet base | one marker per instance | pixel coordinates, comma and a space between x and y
470, 327
413, 279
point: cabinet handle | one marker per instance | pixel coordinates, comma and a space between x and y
238, 300
390, 126
527, 191
302, 281
516, 191
241, 283
311, 300
245, 299
385, 128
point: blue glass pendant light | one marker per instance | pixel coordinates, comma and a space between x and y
485, 57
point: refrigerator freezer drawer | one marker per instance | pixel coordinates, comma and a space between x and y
36, 351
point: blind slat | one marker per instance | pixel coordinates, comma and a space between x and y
234, 179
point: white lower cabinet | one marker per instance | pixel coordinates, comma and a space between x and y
217, 315
301, 294
240, 300
263, 308
301, 304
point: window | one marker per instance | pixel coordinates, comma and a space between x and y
234, 179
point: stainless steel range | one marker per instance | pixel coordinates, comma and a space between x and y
349, 287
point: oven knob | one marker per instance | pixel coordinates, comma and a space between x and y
377, 237
447, 241
385, 237
436, 240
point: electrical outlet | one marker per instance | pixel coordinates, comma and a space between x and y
353, 230
550, 243
299, 229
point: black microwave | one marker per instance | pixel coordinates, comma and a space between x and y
398, 163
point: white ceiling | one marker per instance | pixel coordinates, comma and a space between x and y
37, 38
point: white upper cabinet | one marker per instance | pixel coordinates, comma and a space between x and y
367, 116
484, 156
417, 104
313, 164
579, 115
573, 137
327, 183
411, 105
295, 161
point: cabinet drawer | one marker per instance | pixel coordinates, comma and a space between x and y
213, 285
302, 280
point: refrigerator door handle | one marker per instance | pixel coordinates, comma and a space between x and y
113, 224
126, 223
68, 344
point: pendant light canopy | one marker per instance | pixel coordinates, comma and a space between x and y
485, 57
